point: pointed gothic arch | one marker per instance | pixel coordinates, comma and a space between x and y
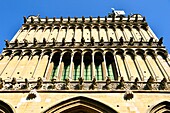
5, 108
162, 107
80, 104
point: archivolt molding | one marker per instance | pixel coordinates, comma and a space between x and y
80, 103
161, 107
6, 107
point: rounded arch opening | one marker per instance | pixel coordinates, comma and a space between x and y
77, 66
111, 66
87, 66
99, 64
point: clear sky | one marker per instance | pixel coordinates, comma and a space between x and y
12, 11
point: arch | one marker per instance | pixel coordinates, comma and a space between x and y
80, 104
112, 27
120, 27
7, 53
128, 27
87, 65
98, 61
66, 59
98, 50
96, 27
6, 108
138, 15
111, 66
162, 107
54, 64
136, 27
79, 27
87, 50
77, 65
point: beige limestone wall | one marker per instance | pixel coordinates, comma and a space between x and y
141, 103
10, 67
31, 67
123, 72
53, 34
29, 37
3, 63
41, 67
20, 67
22, 35
78, 35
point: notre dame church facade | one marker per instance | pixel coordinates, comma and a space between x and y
111, 64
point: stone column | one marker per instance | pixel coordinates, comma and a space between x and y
10, 57
48, 65
60, 67
116, 66
71, 67
40, 58
82, 65
149, 66
116, 35
104, 67
165, 74
15, 66
93, 66
124, 34
126, 66
138, 68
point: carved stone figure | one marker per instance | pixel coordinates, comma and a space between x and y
121, 40
61, 19
25, 19
67, 84
26, 84
16, 42
39, 83
82, 40
128, 95
98, 19
163, 84
81, 83
91, 18
73, 41
108, 82
83, 18
150, 41
54, 41
46, 19
63, 41
131, 41
32, 20
7, 43
121, 84
1, 83
25, 42
35, 41
135, 84
93, 85
92, 41
141, 40
14, 81
160, 42
148, 85
101, 41
44, 42
111, 41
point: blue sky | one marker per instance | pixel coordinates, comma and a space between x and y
12, 12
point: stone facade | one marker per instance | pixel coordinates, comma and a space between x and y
102, 64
